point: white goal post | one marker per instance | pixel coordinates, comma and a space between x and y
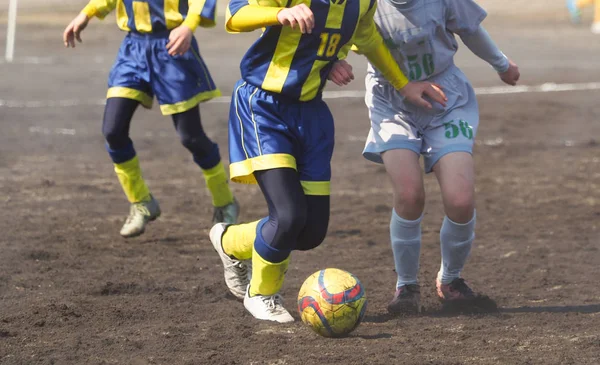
11, 30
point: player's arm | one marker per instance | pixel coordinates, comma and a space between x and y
247, 16
95, 8
482, 45
201, 13
369, 42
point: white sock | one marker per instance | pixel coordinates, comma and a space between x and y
456, 241
406, 246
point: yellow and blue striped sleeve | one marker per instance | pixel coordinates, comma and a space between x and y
249, 15
368, 41
201, 13
99, 8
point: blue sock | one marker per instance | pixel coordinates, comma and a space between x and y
121, 155
406, 245
209, 161
456, 241
265, 250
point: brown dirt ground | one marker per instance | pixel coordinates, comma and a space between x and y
73, 292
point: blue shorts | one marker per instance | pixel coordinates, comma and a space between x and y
269, 131
144, 69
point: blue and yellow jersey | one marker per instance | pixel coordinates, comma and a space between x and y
153, 16
296, 65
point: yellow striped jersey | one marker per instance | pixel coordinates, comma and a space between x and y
296, 65
152, 16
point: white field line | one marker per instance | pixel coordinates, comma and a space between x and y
352, 94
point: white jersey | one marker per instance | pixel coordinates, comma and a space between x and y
420, 33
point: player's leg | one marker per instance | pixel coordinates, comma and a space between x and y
267, 242
115, 128
402, 166
395, 141
258, 141
276, 237
126, 91
455, 174
180, 84
206, 154
450, 145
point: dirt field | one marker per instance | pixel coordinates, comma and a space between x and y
72, 291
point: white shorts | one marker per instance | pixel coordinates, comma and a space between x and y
431, 133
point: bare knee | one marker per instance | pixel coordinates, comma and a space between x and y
409, 200
460, 205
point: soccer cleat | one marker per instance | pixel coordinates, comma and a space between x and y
459, 297
267, 308
407, 300
139, 215
227, 214
237, 273
457, 290
596, 28
574, 11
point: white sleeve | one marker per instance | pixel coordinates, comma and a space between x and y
482, 45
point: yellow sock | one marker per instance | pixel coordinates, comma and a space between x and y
267, 277
583, 3
216, 181
238, 240
130, 177
597, 12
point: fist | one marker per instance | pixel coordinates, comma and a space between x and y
512, 75
341, 73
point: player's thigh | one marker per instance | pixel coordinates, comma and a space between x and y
406, 175
116, 121
455, 173
180, 82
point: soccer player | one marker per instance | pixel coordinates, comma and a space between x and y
575, 7
421, 36
159, 56
281, 133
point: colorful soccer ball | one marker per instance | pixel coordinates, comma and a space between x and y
332, 302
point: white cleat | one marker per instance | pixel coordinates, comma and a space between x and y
139, 215
237, 273
267, 308
596, 28
227, 214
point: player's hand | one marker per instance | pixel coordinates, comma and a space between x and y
416, 91
180, 40
512, 75
341, 73
299, 15
74, 29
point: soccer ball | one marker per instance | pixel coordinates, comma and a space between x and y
332, 302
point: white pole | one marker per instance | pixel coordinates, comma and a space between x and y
11, 30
